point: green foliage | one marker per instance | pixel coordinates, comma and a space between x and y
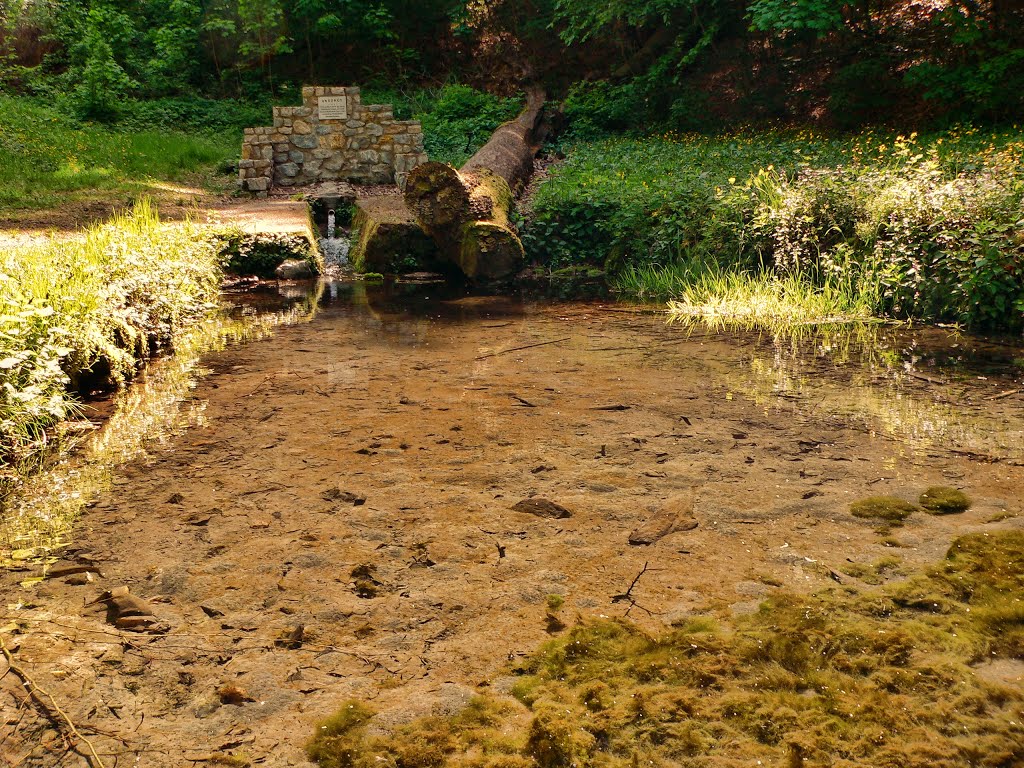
190, 114
262, 253
94, 306
50, 159
979, 70
819, 16
909, 226
100, 83
460, 120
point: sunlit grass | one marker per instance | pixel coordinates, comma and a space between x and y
49, 160
36, 516
916, 227
94, 306
745, 298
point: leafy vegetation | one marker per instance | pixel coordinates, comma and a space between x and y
91, 310
909, 226
457, 119
51, 160
628, 64
879, 678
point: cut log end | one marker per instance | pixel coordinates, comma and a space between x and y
467, 212
437, 195
489, 251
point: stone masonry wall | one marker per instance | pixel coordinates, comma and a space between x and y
342, 139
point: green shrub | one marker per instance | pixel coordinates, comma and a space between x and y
261, 253
911, 227
96, 306
460, 120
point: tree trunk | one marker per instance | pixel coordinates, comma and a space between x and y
466, 212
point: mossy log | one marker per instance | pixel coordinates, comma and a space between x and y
466, 211
387, 239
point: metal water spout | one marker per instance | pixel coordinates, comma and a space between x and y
330, 225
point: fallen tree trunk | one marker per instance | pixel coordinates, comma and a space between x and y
466, 211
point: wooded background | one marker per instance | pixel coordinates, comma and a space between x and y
619, 64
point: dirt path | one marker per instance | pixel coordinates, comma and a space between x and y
240, 533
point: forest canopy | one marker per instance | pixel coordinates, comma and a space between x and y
622, 64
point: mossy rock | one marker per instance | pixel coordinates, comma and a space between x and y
887, 508
943, 500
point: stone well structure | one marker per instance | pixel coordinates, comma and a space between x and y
332, 136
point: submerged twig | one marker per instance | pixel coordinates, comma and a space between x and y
37, 693
516, 349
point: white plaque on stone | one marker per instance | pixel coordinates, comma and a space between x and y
333, 108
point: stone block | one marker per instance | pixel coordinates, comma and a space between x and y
286, 129
322, 154
386, 156
402, 140
302, 111
282, 147
284, 181
288, 169
335, 163
311, 167
247, 152
323, 130
358, 143
295, 156
415, 127
305, 141
354, 123
280, 157
277, 137
308, 91
374, 130
247, 163
301, 128
267, 152
369, 156
248, 131
258, 185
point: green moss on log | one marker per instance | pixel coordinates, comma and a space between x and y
387, 239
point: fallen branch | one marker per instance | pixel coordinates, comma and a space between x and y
37, 693
516, 349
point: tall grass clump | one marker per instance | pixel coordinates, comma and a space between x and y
81, 311
907, 226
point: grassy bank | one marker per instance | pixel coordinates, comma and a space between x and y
93, 309
911, 226
50, 160
883, 678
